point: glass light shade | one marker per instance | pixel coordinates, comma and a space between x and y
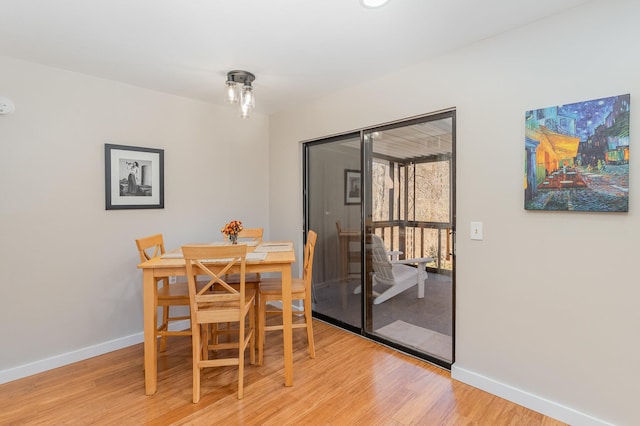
373, 3
247, 98
232, 95
245, 111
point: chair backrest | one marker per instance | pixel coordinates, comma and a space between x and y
307, 269
147, 244
380, 261
248, 235
251, 234
214, 263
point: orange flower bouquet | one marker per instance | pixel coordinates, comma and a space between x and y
231, 230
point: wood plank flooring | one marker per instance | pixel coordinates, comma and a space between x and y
352, 381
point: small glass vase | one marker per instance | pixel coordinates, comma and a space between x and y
233, 238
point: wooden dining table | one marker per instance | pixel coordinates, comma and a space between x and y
172, 264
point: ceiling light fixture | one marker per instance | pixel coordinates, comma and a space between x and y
373, 3
238, 89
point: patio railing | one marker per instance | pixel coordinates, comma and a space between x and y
419, 239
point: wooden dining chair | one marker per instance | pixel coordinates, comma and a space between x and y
251, 237
168, 294
270, 290
219, 302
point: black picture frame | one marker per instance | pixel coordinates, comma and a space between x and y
352, 187
134, 177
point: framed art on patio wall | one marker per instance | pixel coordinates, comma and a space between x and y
577, 156
134, 177
352, 187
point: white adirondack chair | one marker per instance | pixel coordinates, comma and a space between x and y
397, 275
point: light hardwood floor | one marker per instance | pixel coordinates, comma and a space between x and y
352, 381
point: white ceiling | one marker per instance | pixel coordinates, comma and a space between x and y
298, 49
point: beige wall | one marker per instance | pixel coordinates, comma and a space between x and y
70, 287
547, 303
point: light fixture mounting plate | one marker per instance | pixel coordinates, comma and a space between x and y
239, 76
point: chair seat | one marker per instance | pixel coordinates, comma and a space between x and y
173, 290
273, 286
248, 278
223, 311
176, 291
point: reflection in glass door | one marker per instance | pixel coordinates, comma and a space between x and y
395, 285
333, 209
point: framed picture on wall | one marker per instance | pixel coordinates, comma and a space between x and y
352, 187
577, 156
134, 177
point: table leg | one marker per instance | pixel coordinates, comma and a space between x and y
150, 342
287, 323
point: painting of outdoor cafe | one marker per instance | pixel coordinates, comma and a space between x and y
577, 156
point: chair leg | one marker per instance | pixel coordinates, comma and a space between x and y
165, 322
261, 323
252, 336
205, 340
214, 333
256, 324
241, 349
196, 351
308, 319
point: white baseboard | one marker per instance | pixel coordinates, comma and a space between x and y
46, 364
526, 399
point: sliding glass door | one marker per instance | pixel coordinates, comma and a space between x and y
382, 202
333, 209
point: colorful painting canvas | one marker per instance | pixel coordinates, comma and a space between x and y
577, 156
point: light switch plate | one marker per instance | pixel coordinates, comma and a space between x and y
476, 231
